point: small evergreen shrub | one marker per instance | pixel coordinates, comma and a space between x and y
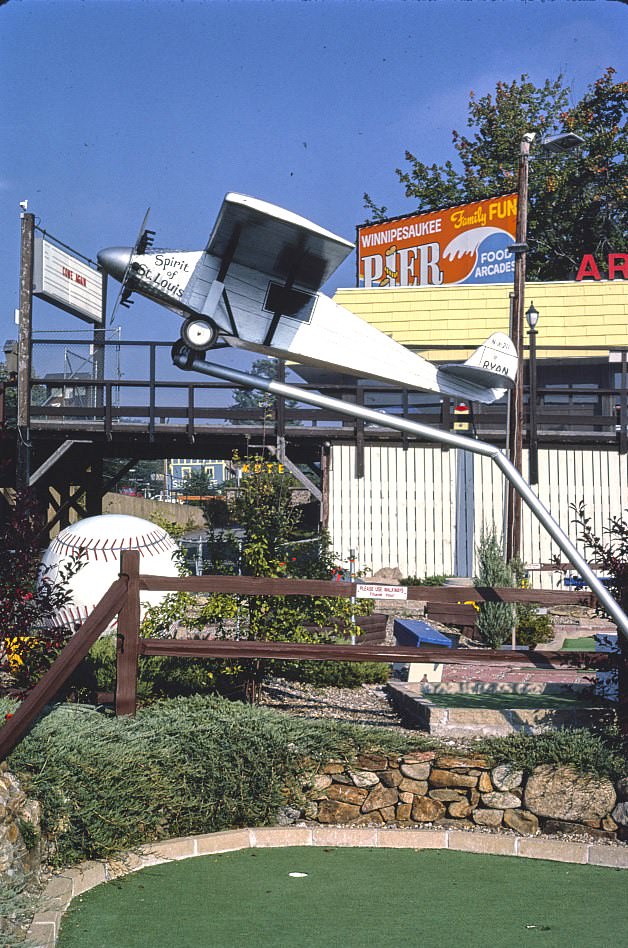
495, 619
533, 627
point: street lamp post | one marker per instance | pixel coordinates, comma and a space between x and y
532, 317
515, 406
558, 145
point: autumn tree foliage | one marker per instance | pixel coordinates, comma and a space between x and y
578, 202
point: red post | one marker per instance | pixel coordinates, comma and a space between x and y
128, 636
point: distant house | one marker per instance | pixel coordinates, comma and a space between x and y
181, 469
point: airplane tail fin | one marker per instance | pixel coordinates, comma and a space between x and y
493, 365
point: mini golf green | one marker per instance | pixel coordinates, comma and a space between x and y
353, 897
503, 700
586, 644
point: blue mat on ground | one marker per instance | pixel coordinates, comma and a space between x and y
417, 632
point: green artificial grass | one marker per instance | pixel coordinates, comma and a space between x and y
505, 700
353, 897
580, 645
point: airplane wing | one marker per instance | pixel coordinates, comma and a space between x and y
276, 242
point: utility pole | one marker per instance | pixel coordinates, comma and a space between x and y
25, 352
515, 407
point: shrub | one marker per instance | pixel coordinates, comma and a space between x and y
589, 752
495, 619
437, 580
158, 677
335, 674
29, 641
533, 627
184, 766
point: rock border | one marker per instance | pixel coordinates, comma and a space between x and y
69, 883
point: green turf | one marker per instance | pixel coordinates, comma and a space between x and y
580, 645
504, 700
353, 897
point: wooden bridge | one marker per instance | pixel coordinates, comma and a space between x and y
86, 401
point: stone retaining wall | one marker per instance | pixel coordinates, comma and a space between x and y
463, 792
19, 828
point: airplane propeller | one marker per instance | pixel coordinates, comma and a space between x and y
143, 242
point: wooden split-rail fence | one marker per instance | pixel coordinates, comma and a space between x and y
123, 600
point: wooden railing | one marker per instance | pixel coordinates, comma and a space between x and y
141, 389
123, 600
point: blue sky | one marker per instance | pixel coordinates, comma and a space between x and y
108, 107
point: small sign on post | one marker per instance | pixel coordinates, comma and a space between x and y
371, 591
67, 281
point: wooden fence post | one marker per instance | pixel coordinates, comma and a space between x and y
128, 636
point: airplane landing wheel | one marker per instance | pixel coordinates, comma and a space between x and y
181, 350
199, 333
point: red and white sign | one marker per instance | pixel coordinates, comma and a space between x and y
617, 267
370, 591
466, 244
67, 282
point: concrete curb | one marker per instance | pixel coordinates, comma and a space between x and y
70, 883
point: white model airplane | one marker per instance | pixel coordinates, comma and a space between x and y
256, 286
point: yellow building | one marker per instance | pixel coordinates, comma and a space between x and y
587, 314
422, 508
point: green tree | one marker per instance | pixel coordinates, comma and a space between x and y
577, 201
495, 619
263, 509
266, 368
197, 484
264, 512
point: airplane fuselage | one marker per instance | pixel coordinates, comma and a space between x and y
257, 286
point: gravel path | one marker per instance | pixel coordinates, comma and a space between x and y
368, 705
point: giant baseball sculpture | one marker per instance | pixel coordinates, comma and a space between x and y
97, 542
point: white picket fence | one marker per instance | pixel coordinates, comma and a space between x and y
423, 509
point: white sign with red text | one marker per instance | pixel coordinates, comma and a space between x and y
370, 591
67, 282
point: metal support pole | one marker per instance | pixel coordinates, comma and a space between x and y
352, 580
515, 440
98, 350
186, 359
25, 352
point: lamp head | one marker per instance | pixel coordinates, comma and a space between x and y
559, 144
532, 316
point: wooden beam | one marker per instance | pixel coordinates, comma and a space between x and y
128, 635
243, 648
63, 666
262, 585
